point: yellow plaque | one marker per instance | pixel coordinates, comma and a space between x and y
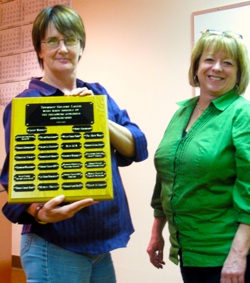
59, 145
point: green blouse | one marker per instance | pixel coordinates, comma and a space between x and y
203, 179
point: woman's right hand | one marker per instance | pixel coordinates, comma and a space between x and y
80, 91
156, 243
53, 212
155, 251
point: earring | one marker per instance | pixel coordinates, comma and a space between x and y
196, 81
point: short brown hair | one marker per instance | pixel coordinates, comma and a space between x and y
67, 21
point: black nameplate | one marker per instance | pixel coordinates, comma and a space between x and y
24, 138
71, 165
71, 155
48, 187
25, 147
48, 166
96, 185
48, 176
24, 188
95, 174
94, 135
94, 154
95, 164
52, 114
24, 177
72, 186
72, 175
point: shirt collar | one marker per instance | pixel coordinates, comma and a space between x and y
48, 90
221, 103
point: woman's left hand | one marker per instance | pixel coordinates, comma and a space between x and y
80, 91
234, 267
233, 270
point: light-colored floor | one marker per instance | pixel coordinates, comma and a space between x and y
18, 276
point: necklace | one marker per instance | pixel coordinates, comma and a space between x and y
200, 108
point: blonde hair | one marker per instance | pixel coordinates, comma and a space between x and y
227, 42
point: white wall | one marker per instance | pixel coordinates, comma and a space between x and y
139, 50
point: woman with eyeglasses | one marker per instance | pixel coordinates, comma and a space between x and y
71, 242
202, 187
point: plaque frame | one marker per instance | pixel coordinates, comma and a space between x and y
59, 145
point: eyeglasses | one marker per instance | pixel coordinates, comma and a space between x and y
225, 33
53, 42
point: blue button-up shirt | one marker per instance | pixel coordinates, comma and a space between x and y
96, 229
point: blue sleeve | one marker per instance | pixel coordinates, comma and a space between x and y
121, 117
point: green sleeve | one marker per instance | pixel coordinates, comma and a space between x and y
241, 139
156, 199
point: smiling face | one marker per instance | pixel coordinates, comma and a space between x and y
217, 73
62, 59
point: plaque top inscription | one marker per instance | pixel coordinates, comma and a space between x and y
54, 114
